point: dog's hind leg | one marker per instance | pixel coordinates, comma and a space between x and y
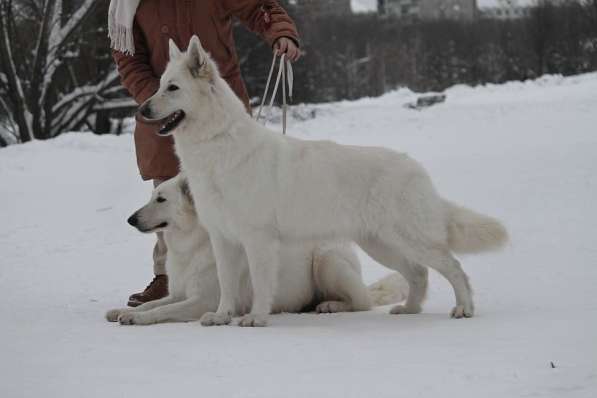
386, 252
444, 262
439, 259
339, 282
416, 275
183, 311
450, 268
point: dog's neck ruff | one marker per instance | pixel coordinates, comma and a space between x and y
214, 154
221, 114
187, 224
215, 135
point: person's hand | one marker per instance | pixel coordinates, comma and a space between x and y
287, 46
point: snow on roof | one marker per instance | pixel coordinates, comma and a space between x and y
495, 3
364, 5
360, 6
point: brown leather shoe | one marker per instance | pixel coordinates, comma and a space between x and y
157, 289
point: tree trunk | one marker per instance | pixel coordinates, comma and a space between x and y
3, 142
16, 95
102, 123
35, 99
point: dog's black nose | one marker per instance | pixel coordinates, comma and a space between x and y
133, 220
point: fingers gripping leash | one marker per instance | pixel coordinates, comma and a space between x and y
286, 75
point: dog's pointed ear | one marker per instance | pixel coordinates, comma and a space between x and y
174, 50
196, 56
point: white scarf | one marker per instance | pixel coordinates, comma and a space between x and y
120, 25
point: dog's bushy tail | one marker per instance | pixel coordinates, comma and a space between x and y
471, 232
389, 290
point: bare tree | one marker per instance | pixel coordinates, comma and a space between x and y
43, 97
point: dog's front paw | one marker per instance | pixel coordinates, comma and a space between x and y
253, 320
403, 309
132, 318
330, 307
112, 315
461, 311
215, 319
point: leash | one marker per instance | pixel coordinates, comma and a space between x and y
286, 75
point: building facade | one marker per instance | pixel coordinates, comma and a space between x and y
463, 10
506, 9
319, 8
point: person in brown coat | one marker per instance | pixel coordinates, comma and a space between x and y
140, 31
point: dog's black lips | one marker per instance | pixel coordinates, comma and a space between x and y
148, 230
171, 122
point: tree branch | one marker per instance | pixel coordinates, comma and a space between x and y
63, 35
59, 37
36, 89
15, 92
13, 127
74, 108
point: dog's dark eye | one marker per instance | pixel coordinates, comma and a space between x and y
173, 87
160, 199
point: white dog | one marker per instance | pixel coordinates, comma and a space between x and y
327, 278
257, 190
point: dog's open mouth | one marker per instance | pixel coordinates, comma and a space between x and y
167, 124
171, 122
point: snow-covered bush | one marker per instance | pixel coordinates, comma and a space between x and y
47, 84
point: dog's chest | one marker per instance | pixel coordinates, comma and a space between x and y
213, 205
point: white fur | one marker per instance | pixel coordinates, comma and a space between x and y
471, 232
257, 190
326, 278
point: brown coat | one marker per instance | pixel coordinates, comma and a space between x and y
156, 22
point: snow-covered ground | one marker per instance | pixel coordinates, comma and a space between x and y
524, 152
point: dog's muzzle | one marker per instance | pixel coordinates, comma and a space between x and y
166, 125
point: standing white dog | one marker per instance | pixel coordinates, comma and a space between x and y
256, 190
326, 278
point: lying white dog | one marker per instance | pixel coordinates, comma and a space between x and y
327, 278
257, 190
